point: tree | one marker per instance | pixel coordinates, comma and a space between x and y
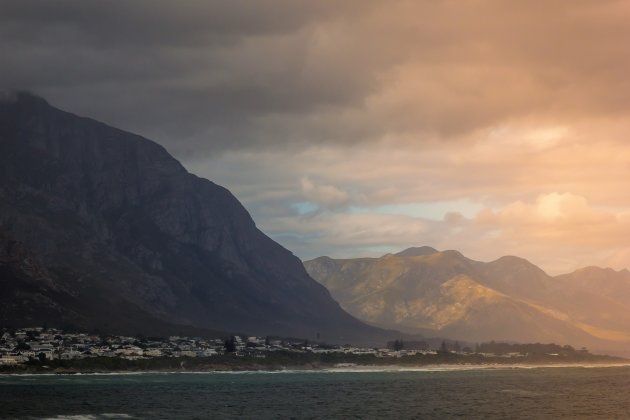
443, 347
457, 347
140, 344
230, 345
398, 345
22, 346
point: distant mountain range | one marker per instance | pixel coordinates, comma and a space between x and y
422, 290
103, 229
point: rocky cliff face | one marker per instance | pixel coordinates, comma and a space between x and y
123, 238
445, 293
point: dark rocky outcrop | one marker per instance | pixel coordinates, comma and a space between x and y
100, 228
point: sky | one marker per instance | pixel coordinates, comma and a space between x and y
358, 128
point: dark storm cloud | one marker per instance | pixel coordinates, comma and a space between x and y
194, 74
208, 75
154, 22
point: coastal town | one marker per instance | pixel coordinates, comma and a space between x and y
41, 346
46, 344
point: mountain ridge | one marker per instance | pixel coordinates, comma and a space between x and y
445, 293
118, 223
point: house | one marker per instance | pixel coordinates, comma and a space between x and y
8, 360
153, 353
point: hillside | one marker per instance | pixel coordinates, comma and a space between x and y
103, 229
444, 293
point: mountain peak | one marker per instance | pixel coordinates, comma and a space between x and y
20, 96
511, 260
420, 251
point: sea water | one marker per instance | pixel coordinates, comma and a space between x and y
438, 393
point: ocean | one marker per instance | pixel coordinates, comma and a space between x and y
424, 393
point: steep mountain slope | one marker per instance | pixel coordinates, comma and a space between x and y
119, 236
516, 277
599, 298
605, 282
448, 294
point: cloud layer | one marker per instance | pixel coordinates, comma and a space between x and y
362, 127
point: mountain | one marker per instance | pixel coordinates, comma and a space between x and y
417, 251
599, 298
103, 229
444, 293
604, 282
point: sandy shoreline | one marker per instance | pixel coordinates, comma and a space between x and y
335, 369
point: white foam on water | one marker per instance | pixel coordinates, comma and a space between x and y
90, 416
459, 368
345, 369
